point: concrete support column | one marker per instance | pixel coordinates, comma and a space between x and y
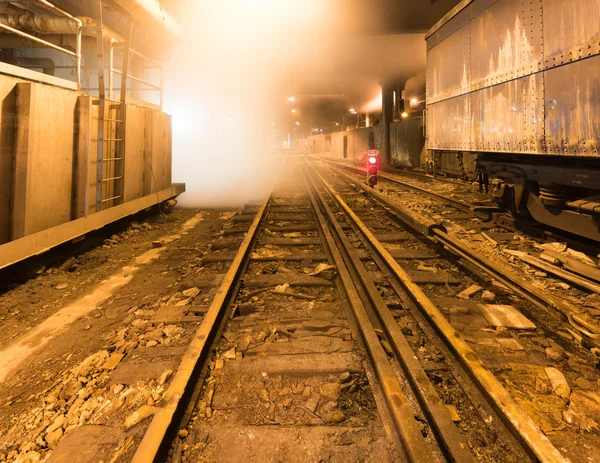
387, 117
23, 159
367, 120
82, 156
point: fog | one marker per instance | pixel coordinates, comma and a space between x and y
237, 64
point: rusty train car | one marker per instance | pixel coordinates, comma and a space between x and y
516, 85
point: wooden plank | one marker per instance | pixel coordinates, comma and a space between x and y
225, 243
505, 315
308, 241
375, 224
290, 210
234, 231
407, 254
557, 271
413, 254
293, 279
38, 243
226, 256
243, 218
292, 228
291, 217
392, 237
574, 265
421, 278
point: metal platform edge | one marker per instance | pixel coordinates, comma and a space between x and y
38, 243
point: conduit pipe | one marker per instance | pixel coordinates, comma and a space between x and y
46, 24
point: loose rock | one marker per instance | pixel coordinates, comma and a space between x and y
559, 383
556, 353
141, 413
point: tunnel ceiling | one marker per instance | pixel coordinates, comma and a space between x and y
372, 40
377, 17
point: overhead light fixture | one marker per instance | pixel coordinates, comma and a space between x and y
293, 110
297, 123
352, 110
291, 99
405, 115
337, 123
414, 100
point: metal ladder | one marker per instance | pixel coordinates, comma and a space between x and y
110, 164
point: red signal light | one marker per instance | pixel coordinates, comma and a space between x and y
372, 160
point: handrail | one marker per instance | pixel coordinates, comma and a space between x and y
76, 54
111, 71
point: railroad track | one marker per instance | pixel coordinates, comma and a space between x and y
482, 211
472, 205
586, 328
319, 336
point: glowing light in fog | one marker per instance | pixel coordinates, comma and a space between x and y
291, 99
414, 100
293, 110
405, 115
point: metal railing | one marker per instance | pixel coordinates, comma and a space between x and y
112, 70
74, 54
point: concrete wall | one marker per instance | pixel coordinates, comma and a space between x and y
43, 161
332, 144
407, 142
48, 156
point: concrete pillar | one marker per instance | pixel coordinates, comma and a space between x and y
387, 117
82, 156
23, 159
8, 111
367, 120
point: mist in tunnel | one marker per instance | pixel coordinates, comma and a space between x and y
227, 85
216, 90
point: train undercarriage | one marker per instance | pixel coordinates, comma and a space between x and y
556, 192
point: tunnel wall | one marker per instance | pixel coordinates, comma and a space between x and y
332, 144
406, 136
48, 155
406, 142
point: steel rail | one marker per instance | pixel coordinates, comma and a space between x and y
164, 419
518, 421
588, 328
463, 207
399, 171
410, 435
452, 443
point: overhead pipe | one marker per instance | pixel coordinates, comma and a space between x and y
46, 24
150, 13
